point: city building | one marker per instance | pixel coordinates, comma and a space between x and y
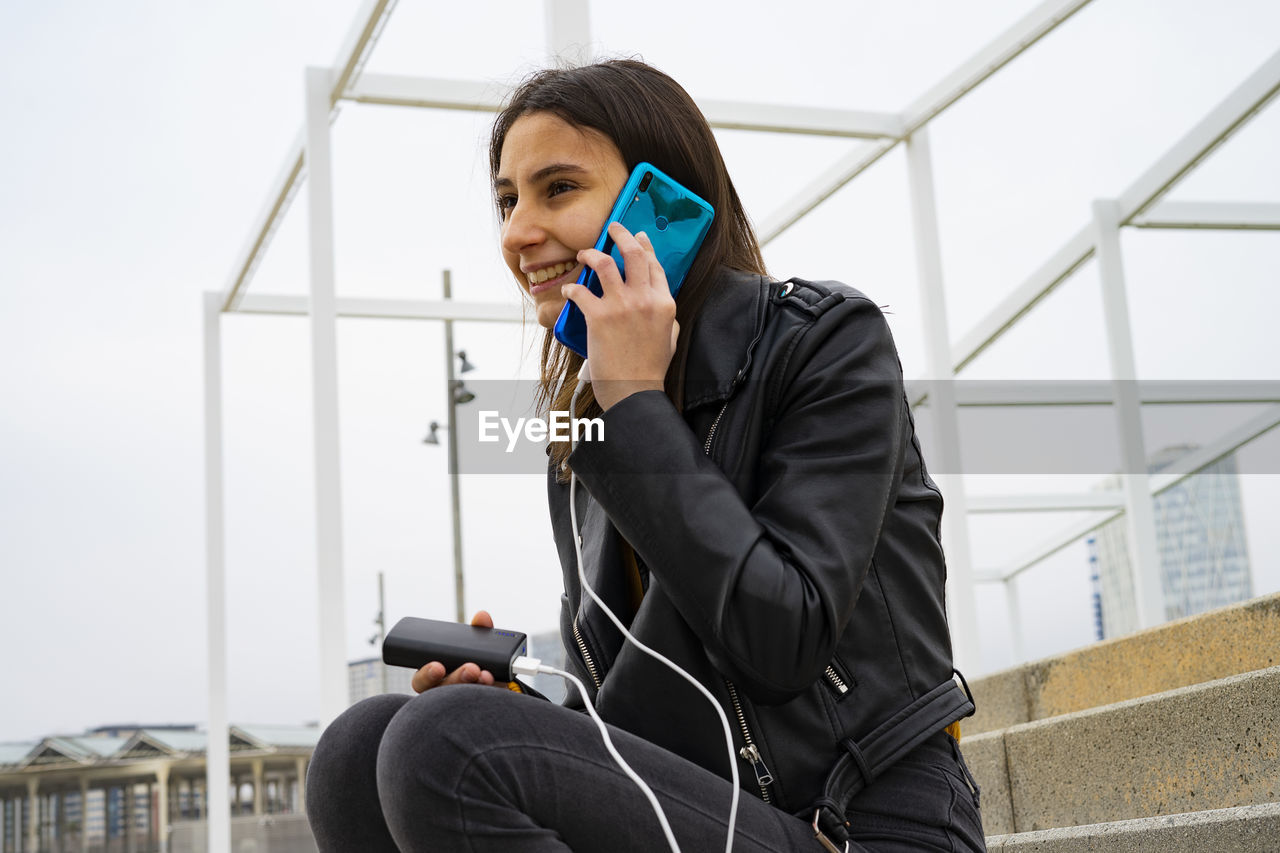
370, 677
142, 788
1204, 558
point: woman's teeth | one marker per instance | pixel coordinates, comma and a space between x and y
548, 273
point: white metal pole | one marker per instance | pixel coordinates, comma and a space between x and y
1014, 605
942, 403
455, 496
382, 633
218, 750
568, 30
324, 378
1144, 553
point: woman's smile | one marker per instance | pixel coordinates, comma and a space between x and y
553, 276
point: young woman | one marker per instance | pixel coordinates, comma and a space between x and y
758, 512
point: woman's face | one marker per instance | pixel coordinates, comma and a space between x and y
555, 187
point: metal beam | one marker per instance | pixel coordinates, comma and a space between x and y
963, 607
1002, 50
218, 749
351, 57
1209, 215
1026, 296
995, 393
280, 197
1231, 441
1237, 108
331, 604
822, 188
391, 309
812, 121
1140, 518
400, 90
568, 24
1194, 462
358, 45
481, 96
1199, 142
1064, 502
998, 53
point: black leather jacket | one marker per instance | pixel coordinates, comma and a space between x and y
787, 534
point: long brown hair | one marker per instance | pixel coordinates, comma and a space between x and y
651, 118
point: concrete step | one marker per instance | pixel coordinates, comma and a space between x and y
1228, 641
1199, 748
1247, 829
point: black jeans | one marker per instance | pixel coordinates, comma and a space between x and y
481, 768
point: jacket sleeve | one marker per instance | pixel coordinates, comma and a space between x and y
767, 586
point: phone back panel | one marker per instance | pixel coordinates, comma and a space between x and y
675, 221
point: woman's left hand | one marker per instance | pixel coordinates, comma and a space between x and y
632, 328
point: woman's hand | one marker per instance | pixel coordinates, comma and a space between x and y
631, 329
434, 675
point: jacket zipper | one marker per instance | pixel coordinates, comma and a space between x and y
586, 656
711, 434
750, 753
834, 679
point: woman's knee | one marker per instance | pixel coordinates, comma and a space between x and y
438, 733
342, 795
348, 747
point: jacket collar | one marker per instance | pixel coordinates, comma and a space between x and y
725, 332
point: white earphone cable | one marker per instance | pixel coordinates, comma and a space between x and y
531, 666
583, 379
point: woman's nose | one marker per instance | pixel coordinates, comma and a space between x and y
521, 229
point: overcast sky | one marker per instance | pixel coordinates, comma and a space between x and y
139, 142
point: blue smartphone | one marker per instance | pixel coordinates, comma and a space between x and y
675, 220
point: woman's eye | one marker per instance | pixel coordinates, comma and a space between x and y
505, 203
558, 187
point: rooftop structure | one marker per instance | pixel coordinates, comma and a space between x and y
140, 784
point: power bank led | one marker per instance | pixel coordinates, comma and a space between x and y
415, 642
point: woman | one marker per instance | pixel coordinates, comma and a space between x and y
758, 512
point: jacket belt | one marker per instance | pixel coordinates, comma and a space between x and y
868, 757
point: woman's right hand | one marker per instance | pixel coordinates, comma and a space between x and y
434, 675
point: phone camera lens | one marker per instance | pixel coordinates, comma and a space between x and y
645, 181
661, 223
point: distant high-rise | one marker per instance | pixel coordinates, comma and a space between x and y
371, 676
1204, 559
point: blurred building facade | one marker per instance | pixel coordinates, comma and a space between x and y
370, 676
1204, 558
136, 789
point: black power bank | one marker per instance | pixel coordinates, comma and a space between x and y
415, 642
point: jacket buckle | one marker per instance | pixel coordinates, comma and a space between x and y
822, 838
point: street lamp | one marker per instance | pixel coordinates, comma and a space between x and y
458, 394
376, 639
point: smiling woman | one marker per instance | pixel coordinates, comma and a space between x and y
754, 508
555, 186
